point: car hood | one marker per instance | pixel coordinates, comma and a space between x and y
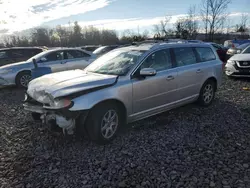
66, 83
241, 57
18, 65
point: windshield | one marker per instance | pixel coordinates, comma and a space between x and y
38, 56
118, 62
243, 46
247, 50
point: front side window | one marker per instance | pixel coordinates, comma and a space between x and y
55, 56
160, 60
118, 62
184, 56
205, 54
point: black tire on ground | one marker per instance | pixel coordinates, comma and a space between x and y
23, 78
107, 116
36, 116
207, 93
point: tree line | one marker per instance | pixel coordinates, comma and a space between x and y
211, 19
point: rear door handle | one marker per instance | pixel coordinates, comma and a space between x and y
170, 77
198, 71
64, 62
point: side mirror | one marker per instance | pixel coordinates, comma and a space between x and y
238, 51
43, 59
148, 72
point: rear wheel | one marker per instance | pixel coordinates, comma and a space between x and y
103, 123
23, 79
207, 93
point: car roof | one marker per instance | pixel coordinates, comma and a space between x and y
153, 46
21, 48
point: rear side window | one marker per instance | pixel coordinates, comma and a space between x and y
205, 54
16, 53
184, 56
73, 54
3, 55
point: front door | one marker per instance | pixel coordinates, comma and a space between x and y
55, 61
154, 92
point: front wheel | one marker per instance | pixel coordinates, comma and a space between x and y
103, 123
207, 93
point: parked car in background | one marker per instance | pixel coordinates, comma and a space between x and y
90, 48
237, 50
104, 49
239, 64
221, 51
126, 85
60, 59
16, 54
235, 43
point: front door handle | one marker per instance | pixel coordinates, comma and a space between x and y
170, 77
198, 71
64, 62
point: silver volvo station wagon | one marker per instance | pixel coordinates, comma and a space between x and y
125, 85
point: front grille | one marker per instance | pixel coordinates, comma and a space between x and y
244, 63
242, 70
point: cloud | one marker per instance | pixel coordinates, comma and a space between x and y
24, 14
130, 23
133, 23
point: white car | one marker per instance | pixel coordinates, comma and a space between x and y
239, 64
60, 59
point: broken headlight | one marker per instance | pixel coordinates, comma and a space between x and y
59, 104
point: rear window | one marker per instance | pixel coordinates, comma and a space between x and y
205, 54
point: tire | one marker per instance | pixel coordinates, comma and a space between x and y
207, 93
96, 123
22, 79
36, 116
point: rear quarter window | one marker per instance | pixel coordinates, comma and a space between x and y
205, 54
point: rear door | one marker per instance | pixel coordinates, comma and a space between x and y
189, 72
193, 65
76, 59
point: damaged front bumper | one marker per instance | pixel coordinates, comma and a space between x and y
64, 118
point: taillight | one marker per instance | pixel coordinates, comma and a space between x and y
233, 45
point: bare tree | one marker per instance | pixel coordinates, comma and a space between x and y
213, 13
187, 27
162, 29
192, 23
242, 27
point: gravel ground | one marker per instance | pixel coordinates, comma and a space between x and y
187, 147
